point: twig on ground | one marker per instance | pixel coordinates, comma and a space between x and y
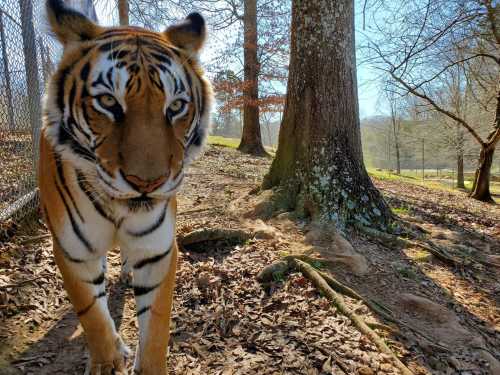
35, 238
21, 283
308, 271
214, 234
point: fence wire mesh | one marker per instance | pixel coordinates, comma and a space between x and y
27, 55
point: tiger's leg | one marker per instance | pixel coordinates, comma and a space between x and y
154, 294
84, 282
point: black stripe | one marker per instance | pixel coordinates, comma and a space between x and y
117, 55
100, 295
60, 87
57, 242
84, 73
143, 310
104, 180
142, 290
65, 137
87, 309
151, 260
109, 77
188, 76
98, 280
152, 228
161, 58
100, 81
107, 47
74, 225
62, 179
86, 190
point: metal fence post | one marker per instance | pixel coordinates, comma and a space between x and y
8, 88
31, 68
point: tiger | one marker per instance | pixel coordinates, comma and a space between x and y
125, 112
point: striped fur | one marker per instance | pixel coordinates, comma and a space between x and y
125, 113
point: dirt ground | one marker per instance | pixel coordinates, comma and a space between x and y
225, 322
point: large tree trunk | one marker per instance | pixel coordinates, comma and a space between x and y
251, 141
481, 186
319, 163
123, 12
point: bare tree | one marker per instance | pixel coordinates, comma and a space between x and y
420, 43
319, 163
261, 49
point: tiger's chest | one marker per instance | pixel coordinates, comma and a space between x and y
90, 223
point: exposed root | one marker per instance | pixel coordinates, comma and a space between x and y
386, 238
214, 234
320, 283
277, 269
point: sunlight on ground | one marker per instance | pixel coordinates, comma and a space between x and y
232, 143
412, 177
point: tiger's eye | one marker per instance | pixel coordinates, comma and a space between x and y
107, 101
177, 105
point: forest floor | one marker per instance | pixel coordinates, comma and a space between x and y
225, 322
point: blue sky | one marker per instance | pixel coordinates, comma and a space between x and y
368, 92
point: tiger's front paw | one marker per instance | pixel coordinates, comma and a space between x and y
116, 366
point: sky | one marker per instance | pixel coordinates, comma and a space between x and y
368, 92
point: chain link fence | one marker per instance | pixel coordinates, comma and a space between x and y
27, 57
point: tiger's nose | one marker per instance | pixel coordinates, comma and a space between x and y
145, 186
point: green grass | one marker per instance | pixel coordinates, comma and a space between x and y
412, 177
401, 210
232, 143
223, 141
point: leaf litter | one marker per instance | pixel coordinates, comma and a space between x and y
224, 322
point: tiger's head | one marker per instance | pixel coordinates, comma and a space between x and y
129, 106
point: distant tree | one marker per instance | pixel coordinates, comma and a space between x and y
261, 49
319, 163
395, 104
417, 45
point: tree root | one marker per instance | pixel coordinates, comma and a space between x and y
214, 234
277, 269
386, 238
320, 283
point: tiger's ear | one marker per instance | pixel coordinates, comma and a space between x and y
69, 25
188, 35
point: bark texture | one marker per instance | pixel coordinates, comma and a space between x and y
123, 11
319, 163
481, 186
251, 140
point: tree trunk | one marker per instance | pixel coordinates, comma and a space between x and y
123, 11
319, 166
251, 140
460, 170
460, 153
481, 186
398, 160
31, 69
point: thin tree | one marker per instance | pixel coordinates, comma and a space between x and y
251, 140
319, 162
123, 12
